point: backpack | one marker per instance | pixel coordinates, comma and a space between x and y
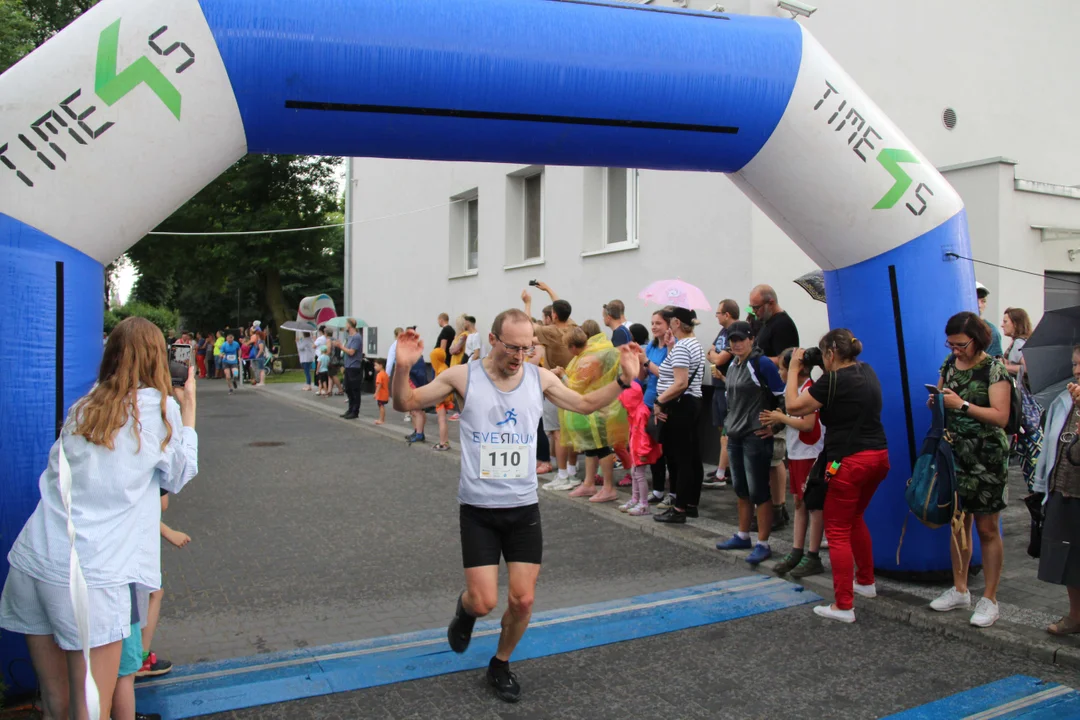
768, 400
931, 492
1015, 423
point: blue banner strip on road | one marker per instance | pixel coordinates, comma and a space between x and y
1018, 696
260, 680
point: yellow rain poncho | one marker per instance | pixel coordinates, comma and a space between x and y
595, 367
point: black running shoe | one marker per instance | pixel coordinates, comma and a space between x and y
505, 682
460, 631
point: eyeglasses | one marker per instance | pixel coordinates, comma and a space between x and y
515, 349
954, 346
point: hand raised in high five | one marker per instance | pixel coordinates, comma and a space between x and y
410, 348
630, 360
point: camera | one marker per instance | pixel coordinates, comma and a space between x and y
533, 283
812, 358
179, 373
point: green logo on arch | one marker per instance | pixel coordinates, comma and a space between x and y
110, 86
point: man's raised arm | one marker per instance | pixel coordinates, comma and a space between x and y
409, 350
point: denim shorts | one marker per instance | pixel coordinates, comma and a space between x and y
749, 457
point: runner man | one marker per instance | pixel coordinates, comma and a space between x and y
499, 514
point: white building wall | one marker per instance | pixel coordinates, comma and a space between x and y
1003, 67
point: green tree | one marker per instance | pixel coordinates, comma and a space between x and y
17, 33
52, 16
164, 318
211, 280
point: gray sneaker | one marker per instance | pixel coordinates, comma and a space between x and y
808, 566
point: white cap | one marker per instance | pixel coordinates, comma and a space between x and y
981, 290
257, 323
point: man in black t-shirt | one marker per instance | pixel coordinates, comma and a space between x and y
778, 331
446, 335
777, 334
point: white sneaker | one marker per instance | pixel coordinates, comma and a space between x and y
986, 613
869, 591
560, 484
666, 503
826, 611
628, 505
951, 599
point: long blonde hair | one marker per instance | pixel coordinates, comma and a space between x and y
135, 357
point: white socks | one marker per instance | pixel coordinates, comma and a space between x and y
744, 535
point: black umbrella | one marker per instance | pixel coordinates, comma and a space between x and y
813, 283
1048, 352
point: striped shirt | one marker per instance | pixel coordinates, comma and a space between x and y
688, 354
115, 501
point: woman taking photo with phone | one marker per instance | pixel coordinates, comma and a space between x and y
976, 391
124, 442
854, 462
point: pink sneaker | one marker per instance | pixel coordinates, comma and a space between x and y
639, 509
583, 491
604, 496
627, 481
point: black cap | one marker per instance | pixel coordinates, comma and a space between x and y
739, 330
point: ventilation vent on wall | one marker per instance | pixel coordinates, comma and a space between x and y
948, 118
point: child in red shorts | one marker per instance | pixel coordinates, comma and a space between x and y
805, 440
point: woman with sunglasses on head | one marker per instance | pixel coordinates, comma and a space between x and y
677, 406
976, 391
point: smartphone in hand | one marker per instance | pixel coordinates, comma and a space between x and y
932, 389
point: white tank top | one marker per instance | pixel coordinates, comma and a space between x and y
498, 440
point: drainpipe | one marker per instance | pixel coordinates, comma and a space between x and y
348, 237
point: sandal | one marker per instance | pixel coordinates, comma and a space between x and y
441, 446
1064, 626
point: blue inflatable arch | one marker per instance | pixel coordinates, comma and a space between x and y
118, 120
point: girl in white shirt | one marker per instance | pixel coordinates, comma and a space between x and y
805, 440
124, 442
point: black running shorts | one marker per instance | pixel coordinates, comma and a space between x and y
514, 534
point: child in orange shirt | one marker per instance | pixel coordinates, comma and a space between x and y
382, 390
438, 364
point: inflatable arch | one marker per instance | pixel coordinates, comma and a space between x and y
119, 119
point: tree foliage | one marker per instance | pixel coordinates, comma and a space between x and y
17, 33
26, 24
225, 281
164, 318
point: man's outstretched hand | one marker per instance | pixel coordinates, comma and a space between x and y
630, 359
410, 348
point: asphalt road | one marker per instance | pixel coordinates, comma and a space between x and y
339, 534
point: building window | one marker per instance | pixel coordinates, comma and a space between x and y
534, 217
620, 207
611, 203
465, 233
525, 217
472, 233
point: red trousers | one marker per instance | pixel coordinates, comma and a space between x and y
200, 360
850, 491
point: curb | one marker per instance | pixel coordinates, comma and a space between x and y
895, 605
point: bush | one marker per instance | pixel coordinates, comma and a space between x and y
164, 318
